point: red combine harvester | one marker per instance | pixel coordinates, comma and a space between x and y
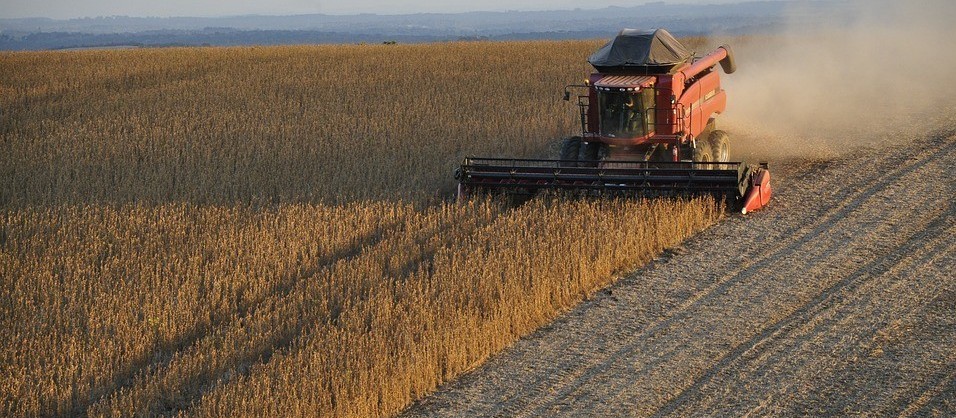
648, 122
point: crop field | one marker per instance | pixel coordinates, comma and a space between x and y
270, 232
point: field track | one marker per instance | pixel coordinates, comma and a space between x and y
839, 299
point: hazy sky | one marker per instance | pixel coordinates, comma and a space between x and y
62, 9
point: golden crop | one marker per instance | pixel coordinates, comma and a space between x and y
264, 231
292, 124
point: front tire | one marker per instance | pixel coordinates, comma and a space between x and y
570, 149
591, 154
720, 146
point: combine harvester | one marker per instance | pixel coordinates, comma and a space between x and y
648, 124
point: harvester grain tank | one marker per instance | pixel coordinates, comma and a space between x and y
648, 128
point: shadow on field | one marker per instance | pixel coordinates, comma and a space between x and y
162, 356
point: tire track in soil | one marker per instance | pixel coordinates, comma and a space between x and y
600, 359
877, 384
945, 392
855, 349
870, 316
931, 386
808, 321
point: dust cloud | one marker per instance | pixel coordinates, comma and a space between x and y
885, 73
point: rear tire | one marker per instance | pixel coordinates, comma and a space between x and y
570, 149
720, 146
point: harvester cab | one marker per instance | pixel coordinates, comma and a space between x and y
648, 118
626, 112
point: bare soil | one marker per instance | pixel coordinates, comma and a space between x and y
840, 298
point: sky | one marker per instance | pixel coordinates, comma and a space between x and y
66, 9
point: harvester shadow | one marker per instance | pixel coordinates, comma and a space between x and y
820, 226
162, 354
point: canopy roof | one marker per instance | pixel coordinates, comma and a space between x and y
655, 50
626, 81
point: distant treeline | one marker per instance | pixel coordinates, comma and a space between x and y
232, 37
65, 40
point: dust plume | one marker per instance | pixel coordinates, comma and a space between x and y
883, 71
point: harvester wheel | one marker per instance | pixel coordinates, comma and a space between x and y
590, 154
720, 146
570, 149
703, 153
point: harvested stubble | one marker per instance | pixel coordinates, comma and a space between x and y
192, 231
